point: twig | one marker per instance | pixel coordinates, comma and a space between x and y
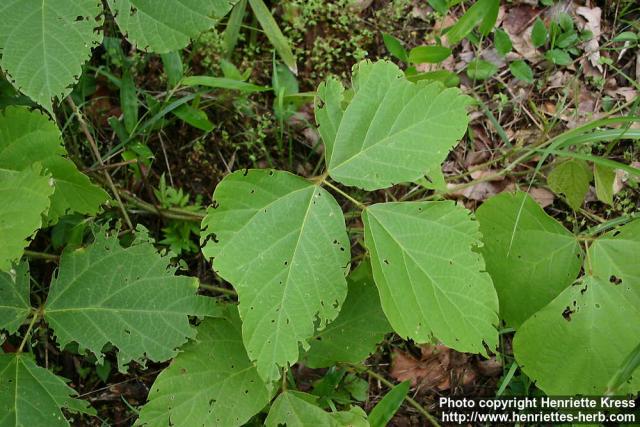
96, 153
171, 213
222, 290
42, 255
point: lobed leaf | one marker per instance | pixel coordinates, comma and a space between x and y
14, 298
282, 242
45, 42
128, 297
393, 130
530, 256
33, 396
357, 330
431, 281
211, 382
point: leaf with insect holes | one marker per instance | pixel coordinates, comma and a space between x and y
162, 27
27, 137
282, 243
33, 396
14, 298
605, 178
297, 409
571, 179
431, 280
530, 256
576, 344
128, 297
393, 130
359, 327
45, 43
24, 199
211, 382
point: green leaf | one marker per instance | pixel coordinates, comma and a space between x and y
359, 327
384, 410
14, 298
626, 36
128, 100
128, 297
273, 33
604, 179
479, 69
297, 409
329, 112
45, 43
539, 33
571, 179
530, 256
614, 256
429, 288
24, 198
211, 382
27, 137
393, 130
440, 6
395, 47
521, 71
223, 83
502, 42
33, 396
173, 68
483, 14
194, 116
558, 57
429, 54
169, 25
282, 243
447, 78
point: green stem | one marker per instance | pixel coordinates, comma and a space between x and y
222, 290
42, 255
345, 195
36, 316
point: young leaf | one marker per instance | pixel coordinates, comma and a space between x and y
429, 288
395, 48
167, 25
33, 396
223, 83
558, 57
530, 256
571, 179
129, 99
128, 297
27, 137
539, 33
210, 383
521, 71
479, 69
483, 14
502, 42
194, 116
273, 33
382, 413
393, 130
24, 198
429, 54
173, 68
44, 44
282, 242
604, 179
297, 409
14, 298
359, 327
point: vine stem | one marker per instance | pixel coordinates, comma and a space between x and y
343, 194
96, 153
36, 316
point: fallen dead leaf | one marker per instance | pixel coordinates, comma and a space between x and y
542, 196
593, 17
518, 23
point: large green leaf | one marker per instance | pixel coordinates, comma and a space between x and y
24, 198
14, 298
163, 26
530, 256
577, 343
359, 327
45, 42
431, 281
393, 130
128, 297
282, 242
27, 137
33, 396
297, 409
211, 382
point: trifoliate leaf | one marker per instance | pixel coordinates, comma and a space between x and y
297, 409
24, 198
530, 256
431, 281
128, 297
27, 137
211, 382
167, 25
576, 343
359, 327
14, 298
33, 396
571, 179
604, 179
44, 44
393, 130
282, 242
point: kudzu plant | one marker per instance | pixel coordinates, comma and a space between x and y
433, 271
